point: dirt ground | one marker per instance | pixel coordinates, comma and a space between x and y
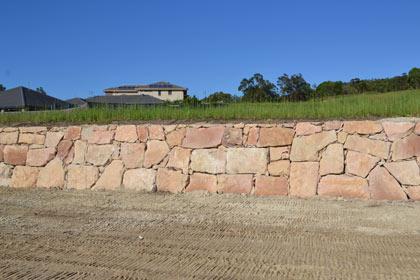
63, 234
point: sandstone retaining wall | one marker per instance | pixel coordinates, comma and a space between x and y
353, 159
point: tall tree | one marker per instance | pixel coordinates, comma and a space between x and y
41, 90
256, 89
219, 97
2, 88
294, 87
414, 78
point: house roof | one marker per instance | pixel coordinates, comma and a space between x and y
76, 101
141, 99
154, 86
22, 97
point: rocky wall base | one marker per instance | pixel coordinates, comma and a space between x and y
354, 159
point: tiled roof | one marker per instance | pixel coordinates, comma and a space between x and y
141, 99
154, 86
22, 97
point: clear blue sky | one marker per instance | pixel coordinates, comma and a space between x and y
73, 47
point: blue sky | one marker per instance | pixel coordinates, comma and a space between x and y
78, 48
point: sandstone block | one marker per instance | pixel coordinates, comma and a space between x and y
406, 148
64, 148
179, 158
156, 132
81, 177
332, 161
29, 138
175, 137
234, 183
360, 164
362, 127
8, 138
246, 160
1, 153
267, 185
40, 157
202, 182
53, 138
306, 148
140, 179
383, 186
342, 137
277, 153
406, 172
417, 129
99, 154
306, 128
143, 133
253, 136
208, 137
368, 146
413, 192
24, 177
279, 168
170, 180
15, 155
101, 137
79, 152
132, 154
303, 178
155, 153
33, 129
169, 128
397, 130
112, 176
73, 133
5, 174
232, 137
126, 133
52, 175
332, 125
343, 186
275, 136
208, 161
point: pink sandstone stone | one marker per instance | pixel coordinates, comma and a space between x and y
53, 138
1, 153
343, 186
306, 128
332, 125
275, 136
397, 130
33, 129
24, 177
362, 127
406, 148
234, 183
73, 133
303, 178
267, 185
179, 158
174, 138
40, 157
52, 175
15, 155
143, 133
81, 177
170, 180
29, 138
202, 182
368, 146
253, 136
203, 137
306, 148
332, 161
5, 174
232, 137
112, 177
64, 148
140, 179
360, 164
208, 161
383, 186
79, 152
132, 154
156, 132
279, 168
99, 154
413, 192
101, 137
406, 172
417, 129
246, 160
8, 138
126, 133
277, 153
156, 151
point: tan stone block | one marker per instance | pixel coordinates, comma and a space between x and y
240, 184
246, 160
413, 192
332, 161
343, 186
279, 168
362, 127
156, 132
267, 185
208, 161
360, 164
277, 153
99, 154
40, 157
232, 137
143, 133
33, 129
383, 186
275, 136
73, 133
406, 148
101, 137
397, 130
170, 180
8, 138
306, 128
179, 158
303, 178
111, 178
64, 148
126, 133
202, 182
175, 137
332, 125
140, 179
79, 152
52, 175
5, 174
81, 177
368, 146
1, 153
24, 177
203, 137
417, 129
15, 155
253, 135
342, 137
156, 151
132, 154
10, 129
28, 138
53, 138
306, 148
406, 172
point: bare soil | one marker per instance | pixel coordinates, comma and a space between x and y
63, 234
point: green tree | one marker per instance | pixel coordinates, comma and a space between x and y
2, 88
294, 87
329, 88
414, 78
41, 90
219, 97
256, 89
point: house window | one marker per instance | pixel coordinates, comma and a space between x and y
159, 93
169, 92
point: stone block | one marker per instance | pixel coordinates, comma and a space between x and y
383, 186
397, 130
126, 133
208, 137
246, 160
73, 133
275, 136
99, 154
143, 133
9, 138
407, 147
306, 148
52, 175
170, 180
306, 128
24, 177
81, 177
343, 186
253, 136
267, 185
140, 179
279, 168
156, 151
332, 161
362, 127
15, 155
132, 154
53, 138
239, 184
406, 172
179, 158
29, 138
232, 137
202, 182
303, 178
156, 132
376, 148
40, 157
111, 178
360, 164
208, 161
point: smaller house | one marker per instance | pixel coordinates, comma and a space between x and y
122, 100
24, 98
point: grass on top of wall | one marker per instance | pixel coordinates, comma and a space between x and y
402, 104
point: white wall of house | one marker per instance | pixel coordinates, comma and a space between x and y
166, 95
